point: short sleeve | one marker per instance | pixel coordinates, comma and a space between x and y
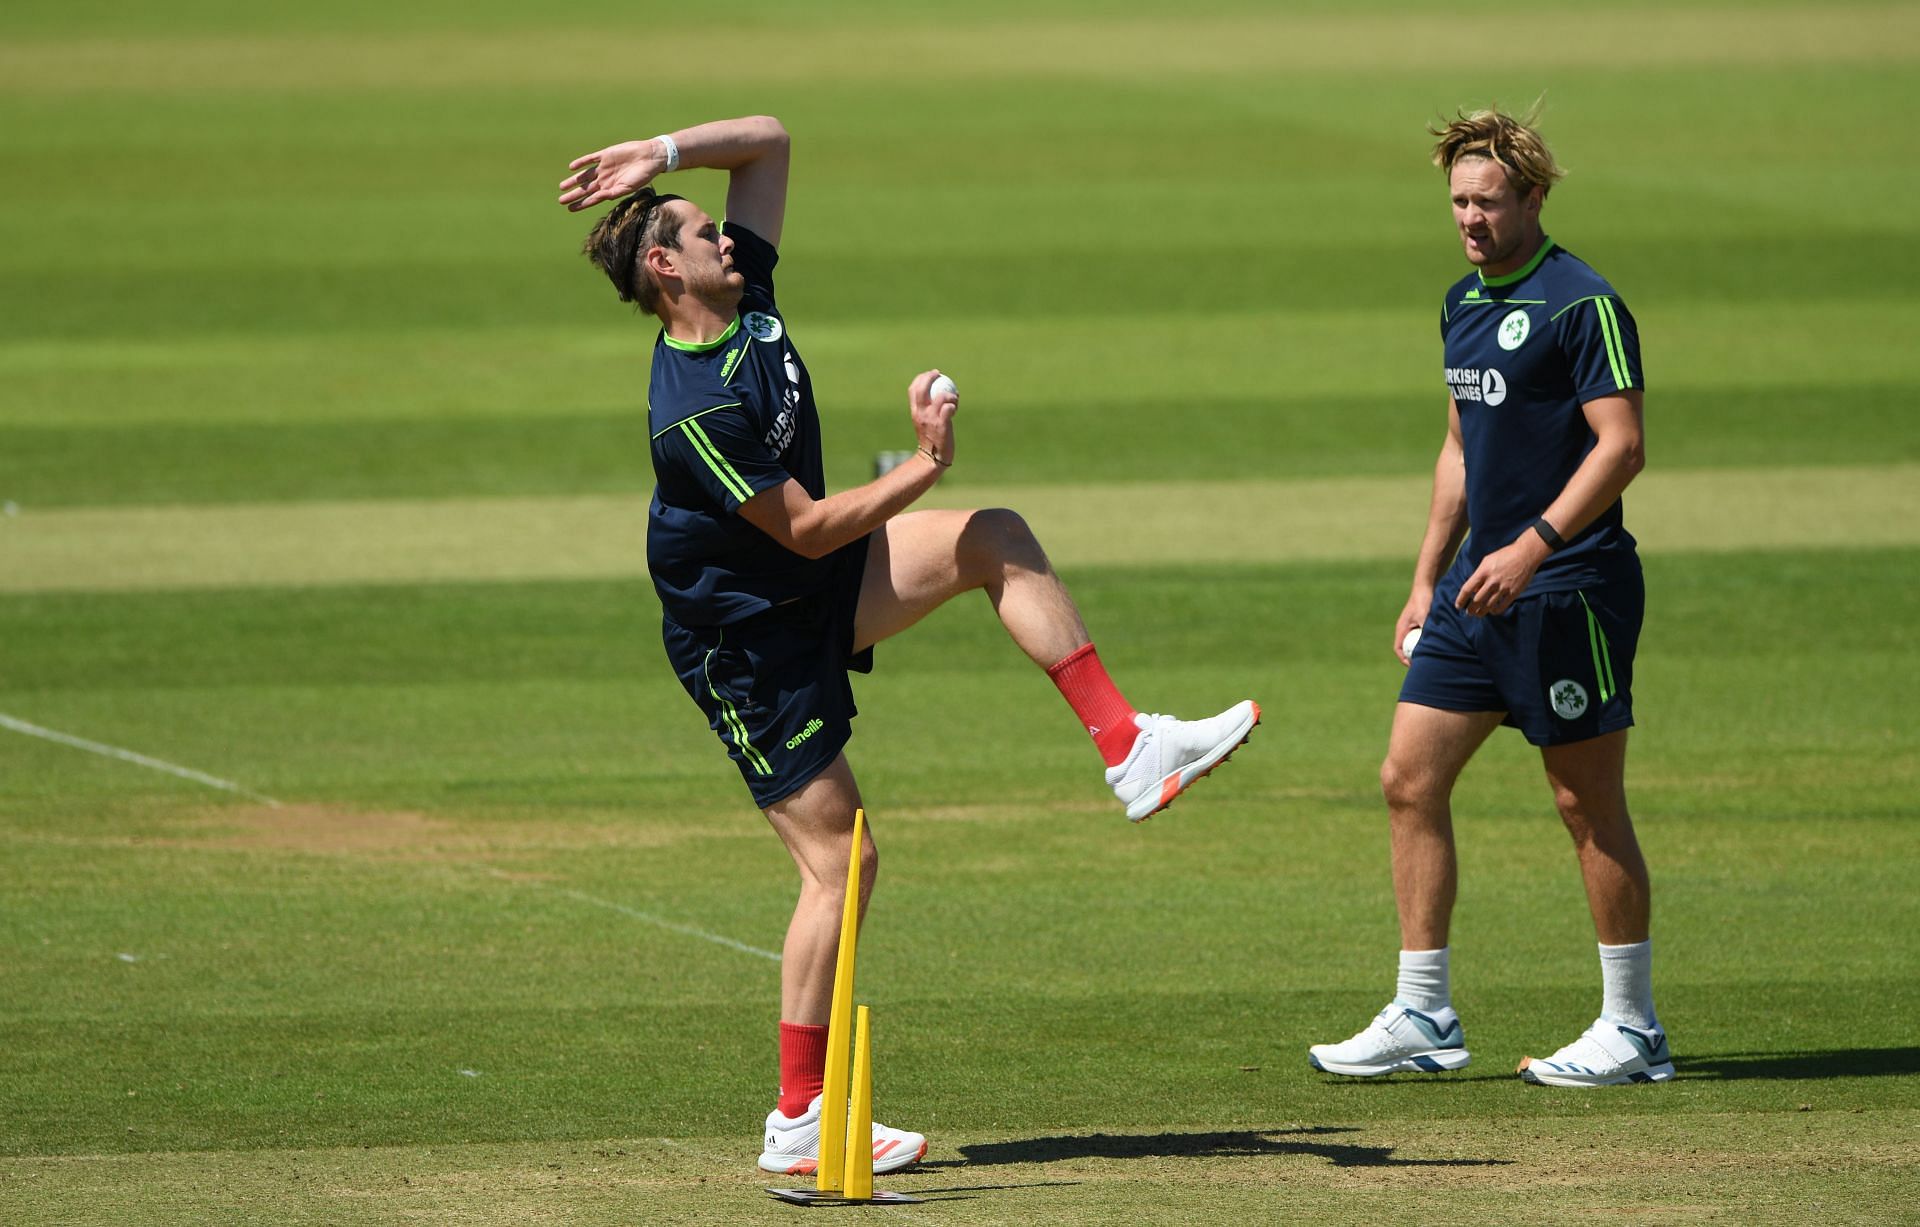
720, 453
754, 257
1602, 344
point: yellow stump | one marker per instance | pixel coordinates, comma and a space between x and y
831, 1175
859, 1183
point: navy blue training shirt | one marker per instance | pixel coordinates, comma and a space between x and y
1523, 352
729, 419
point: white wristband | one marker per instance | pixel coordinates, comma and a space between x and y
673, 152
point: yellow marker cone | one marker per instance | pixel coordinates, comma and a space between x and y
859, 1183
831, 1175
845, 1173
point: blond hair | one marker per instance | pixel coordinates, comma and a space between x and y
1514, 144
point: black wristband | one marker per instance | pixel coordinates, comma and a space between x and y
1553, 539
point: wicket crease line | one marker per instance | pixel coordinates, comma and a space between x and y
661, 921
128, 756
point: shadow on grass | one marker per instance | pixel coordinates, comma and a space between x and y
1802, 1066
965, 1192
1304, 1140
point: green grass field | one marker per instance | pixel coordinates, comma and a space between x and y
324, 468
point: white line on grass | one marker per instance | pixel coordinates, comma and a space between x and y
651, 919
128, 756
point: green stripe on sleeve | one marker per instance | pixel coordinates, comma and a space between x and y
732, 404
1576, 302
735, 484
1616, 351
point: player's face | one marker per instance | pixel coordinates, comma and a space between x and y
1499, 226
705, 258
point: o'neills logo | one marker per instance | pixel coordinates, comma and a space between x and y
813, 726
1470, 383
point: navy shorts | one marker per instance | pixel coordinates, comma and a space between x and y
774, 686
1559, 664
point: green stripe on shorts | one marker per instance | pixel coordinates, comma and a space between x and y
731, 716
1602, 658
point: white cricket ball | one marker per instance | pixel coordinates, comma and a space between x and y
942, 386
1406, 645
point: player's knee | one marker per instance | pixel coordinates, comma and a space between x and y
1586, 818
1403, 787
1004, 529
1575, 820
832, 884
996, 538
1602, 822
1572, 809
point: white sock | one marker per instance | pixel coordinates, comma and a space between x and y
1626, 977
1423, 980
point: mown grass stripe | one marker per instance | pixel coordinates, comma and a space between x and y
398, 541
1188, 44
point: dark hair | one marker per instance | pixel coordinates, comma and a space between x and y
618, 241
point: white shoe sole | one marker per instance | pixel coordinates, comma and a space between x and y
1179, 781
1438, 1061
1539, 1075
807, 1165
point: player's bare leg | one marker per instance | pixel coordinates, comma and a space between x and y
919, 561
1626, 1043
1426, 752
816, 824
1418, 1031
1589, 787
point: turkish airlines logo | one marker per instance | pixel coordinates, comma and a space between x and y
1493, 387
1470, 383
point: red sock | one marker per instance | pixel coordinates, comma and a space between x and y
1084, 683
803, 1066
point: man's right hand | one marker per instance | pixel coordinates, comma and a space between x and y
610, 173
932, 419
1415, 614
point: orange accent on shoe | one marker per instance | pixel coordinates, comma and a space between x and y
1170, 787
880, 1149
806, 1167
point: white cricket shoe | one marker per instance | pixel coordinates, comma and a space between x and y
1169, 755
1606, 1055
793, 1144
1398, 1040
